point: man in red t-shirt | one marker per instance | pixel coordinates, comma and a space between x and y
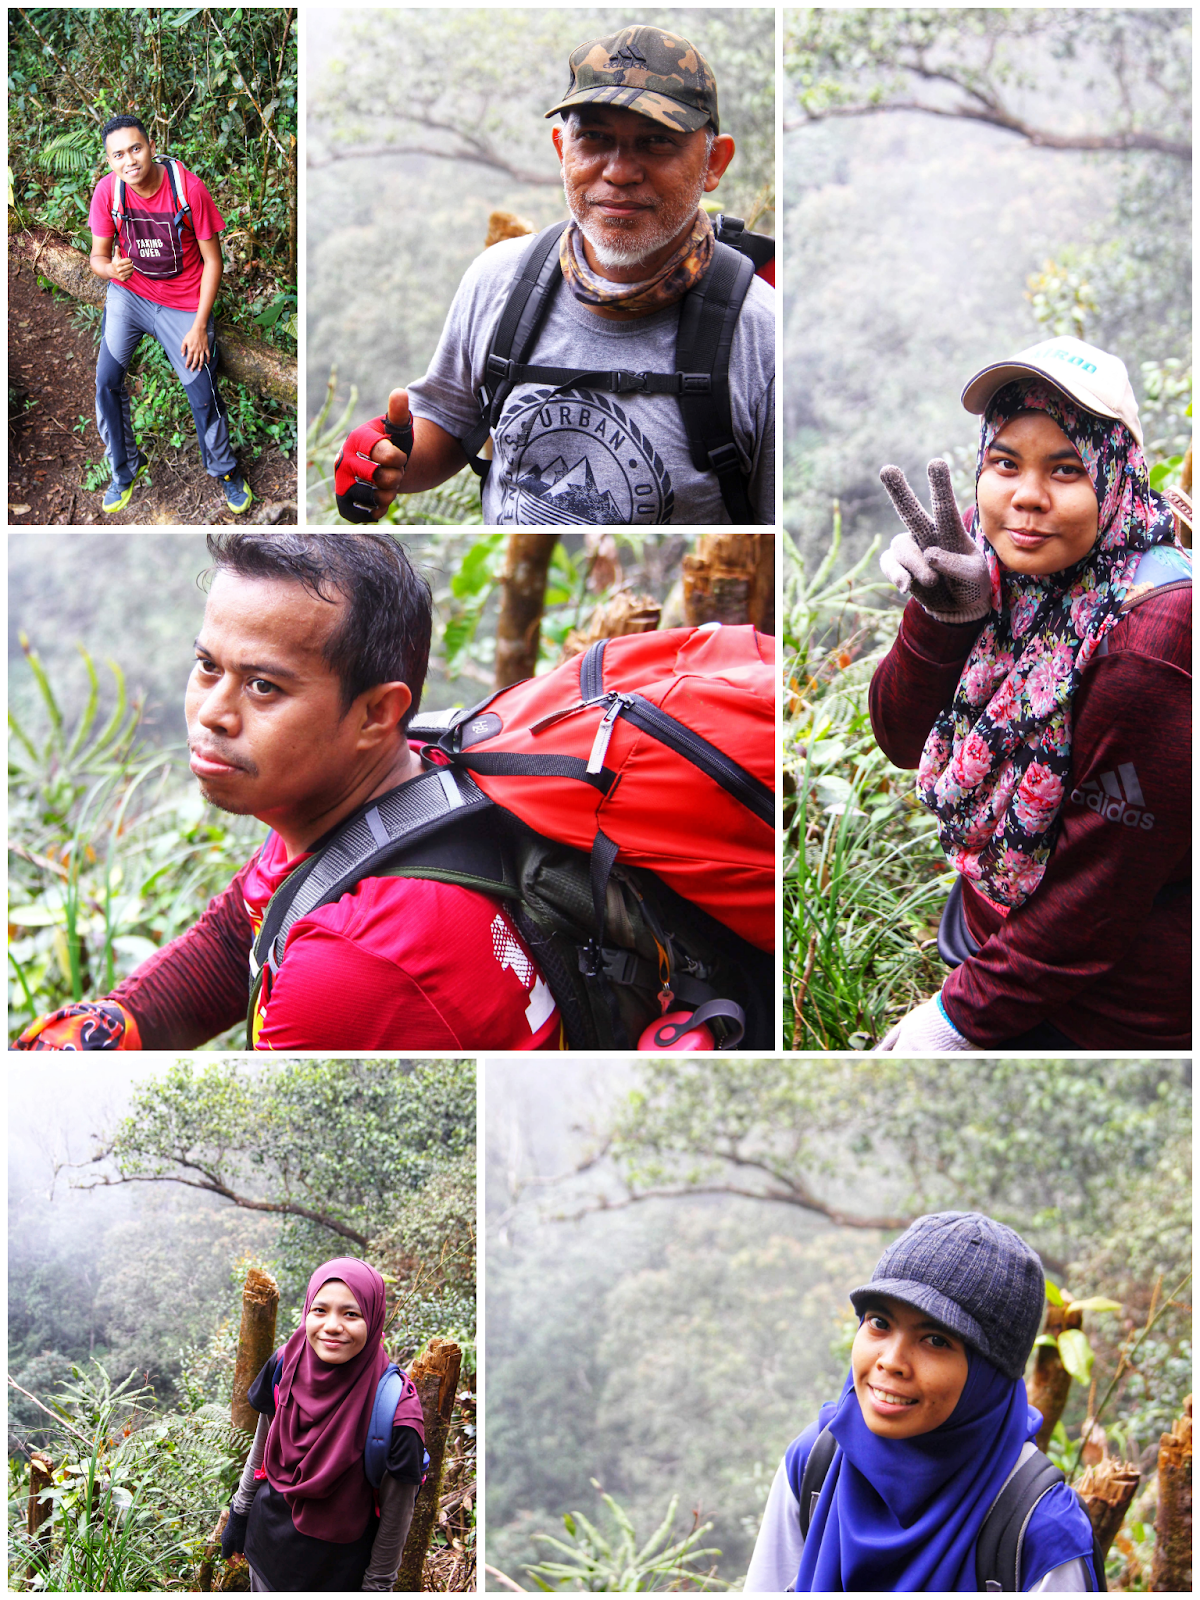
309, 666
154, 239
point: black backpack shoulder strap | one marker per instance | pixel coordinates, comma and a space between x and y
358, 847
816, 1470
706, 327
1002, 1536
528, 300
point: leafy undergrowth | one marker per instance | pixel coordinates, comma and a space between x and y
863, 876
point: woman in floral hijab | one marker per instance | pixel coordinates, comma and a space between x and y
1041, 685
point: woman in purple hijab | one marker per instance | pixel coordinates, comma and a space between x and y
305, 1513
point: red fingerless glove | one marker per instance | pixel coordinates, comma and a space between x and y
88, 1025
354, 471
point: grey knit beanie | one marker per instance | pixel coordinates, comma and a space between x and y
973, 1275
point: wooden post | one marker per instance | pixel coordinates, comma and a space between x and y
435, 1375
256, 1343
1050, 1383
730, 577
522, 601
1107, 1490
41, 1475
1172, 1569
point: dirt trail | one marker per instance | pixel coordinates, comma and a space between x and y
52, 384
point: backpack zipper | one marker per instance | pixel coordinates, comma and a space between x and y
644, 714
617, 703
693, 747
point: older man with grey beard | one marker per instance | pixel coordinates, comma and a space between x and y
591, 418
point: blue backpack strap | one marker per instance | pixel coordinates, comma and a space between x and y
383, 1414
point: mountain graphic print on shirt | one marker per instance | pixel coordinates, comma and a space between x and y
574, 456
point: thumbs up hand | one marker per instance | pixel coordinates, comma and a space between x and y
371, 464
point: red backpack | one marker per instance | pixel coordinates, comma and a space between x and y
654, 754
657, 750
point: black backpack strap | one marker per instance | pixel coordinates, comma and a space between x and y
707, 324
523, 313
359, 846
998, 1547
816, 1470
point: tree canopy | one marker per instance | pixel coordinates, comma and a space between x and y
328, 1143
986, 64
1051, 1146
475, 84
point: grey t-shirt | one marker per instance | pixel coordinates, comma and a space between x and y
575, 456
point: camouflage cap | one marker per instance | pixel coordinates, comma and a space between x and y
659, 75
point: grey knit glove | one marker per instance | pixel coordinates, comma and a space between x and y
936, 560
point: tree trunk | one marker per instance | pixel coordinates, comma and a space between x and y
435, 1374
522, 601
1172, 1569
1106, 1491
256, 1343
1051, 1382
41, 1475
730, 577
268, 372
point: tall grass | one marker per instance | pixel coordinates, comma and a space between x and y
133, 1494
111, 851
863, 877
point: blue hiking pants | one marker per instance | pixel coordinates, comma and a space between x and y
127, 316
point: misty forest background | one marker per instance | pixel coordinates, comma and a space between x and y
1043, 189
670, 1245
421, 124
126, 1267
112, 852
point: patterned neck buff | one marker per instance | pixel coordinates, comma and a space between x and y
997, 762
679, 273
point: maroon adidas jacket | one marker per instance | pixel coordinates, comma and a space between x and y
1102, 948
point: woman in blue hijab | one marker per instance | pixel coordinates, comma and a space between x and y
931, 1422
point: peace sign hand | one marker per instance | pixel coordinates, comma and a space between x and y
935, 560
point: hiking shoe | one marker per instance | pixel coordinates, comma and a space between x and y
117, 496
237, 492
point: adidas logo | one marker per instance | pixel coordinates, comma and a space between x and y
1117, 797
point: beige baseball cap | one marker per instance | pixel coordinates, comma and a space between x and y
1097, 380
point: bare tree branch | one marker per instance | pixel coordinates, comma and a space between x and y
840, 1219
479, 155
993, 115
212, 1186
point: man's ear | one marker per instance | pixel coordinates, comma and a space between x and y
719, 158
556, 135
382, 710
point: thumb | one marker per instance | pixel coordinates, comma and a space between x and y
397, 411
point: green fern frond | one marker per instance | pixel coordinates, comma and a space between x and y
70, 153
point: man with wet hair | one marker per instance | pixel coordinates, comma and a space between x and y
578, 434
309, 666
154, 240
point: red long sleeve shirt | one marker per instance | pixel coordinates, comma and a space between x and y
396, 963
1102, 948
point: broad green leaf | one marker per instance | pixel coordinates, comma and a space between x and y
1096, 1302
1076, 1351
1053, 1293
